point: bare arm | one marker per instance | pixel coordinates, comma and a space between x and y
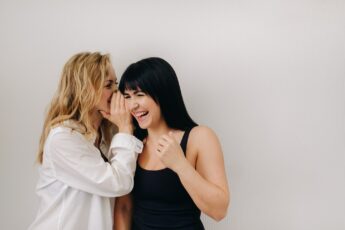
206, 183
123, 213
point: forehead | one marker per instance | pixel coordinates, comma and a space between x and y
111, 74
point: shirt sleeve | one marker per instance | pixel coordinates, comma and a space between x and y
79, 164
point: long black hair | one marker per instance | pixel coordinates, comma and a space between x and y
155, 77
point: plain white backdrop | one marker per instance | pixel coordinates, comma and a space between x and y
268, 76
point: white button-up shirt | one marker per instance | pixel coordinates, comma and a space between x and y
76, 186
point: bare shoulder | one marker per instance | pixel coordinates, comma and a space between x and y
202, 135
208, 151
202, 132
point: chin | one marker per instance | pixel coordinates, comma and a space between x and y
143, 126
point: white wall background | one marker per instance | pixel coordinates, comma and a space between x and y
267, 76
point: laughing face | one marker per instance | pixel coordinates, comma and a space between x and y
143, 108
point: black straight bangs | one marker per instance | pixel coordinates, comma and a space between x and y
130, 82
131, 85
136, 79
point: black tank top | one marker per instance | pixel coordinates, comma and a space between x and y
161, 202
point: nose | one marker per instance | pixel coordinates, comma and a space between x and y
114, 88
132, 105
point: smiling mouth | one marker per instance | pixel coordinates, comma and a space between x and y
140, 115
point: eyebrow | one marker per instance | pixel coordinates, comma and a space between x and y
110, 80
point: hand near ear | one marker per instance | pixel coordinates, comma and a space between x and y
119, 114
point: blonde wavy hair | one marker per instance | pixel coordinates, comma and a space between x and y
80, 89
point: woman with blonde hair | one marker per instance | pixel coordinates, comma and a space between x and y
82, 165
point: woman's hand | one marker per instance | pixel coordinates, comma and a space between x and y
170, 152
119, 114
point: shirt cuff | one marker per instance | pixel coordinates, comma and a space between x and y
126, 141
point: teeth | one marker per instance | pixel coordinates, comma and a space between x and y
139, 114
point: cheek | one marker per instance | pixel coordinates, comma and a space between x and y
106, 94
156, 109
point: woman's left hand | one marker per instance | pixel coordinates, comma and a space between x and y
170, 152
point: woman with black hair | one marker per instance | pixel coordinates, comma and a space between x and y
181, 169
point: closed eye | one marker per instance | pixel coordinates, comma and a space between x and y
111, 84
133, 93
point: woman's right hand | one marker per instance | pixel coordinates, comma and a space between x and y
119, 114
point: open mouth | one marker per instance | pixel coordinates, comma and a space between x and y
140, 115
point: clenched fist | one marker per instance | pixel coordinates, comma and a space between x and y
170, 152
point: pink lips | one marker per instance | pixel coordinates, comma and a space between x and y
140, 116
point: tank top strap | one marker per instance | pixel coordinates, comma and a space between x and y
185, 139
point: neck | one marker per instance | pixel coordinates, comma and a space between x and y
156, 132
